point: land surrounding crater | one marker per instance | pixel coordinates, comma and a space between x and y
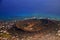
30, 29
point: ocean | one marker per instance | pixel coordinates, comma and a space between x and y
29, 8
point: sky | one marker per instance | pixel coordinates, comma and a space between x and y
47, 8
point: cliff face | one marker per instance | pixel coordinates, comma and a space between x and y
32, 25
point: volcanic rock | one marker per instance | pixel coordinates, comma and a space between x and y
32, 25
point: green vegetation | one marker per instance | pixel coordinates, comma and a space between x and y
5, 35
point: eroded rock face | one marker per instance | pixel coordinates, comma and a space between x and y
35, 24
